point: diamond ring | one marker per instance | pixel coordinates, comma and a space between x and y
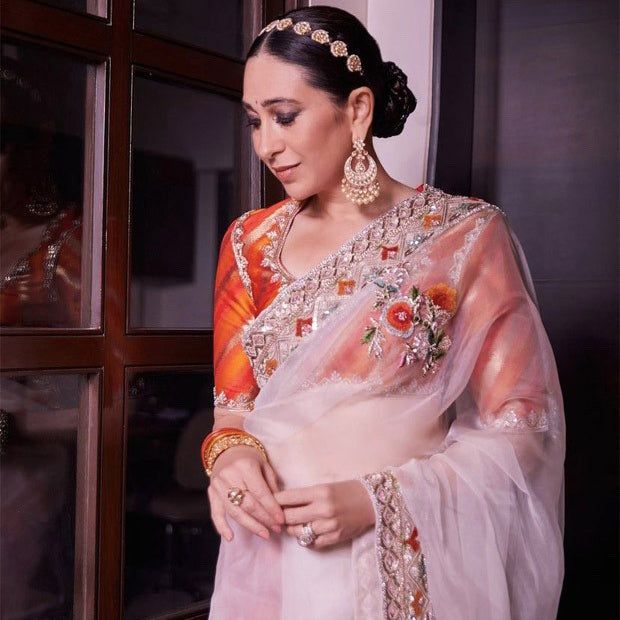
308, 536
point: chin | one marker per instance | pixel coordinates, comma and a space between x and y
297, 193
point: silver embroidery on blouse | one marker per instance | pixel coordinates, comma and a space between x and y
236, 239
242, 402
512, 419
400, 558
276, 234
304, 304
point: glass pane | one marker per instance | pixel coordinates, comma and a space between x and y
94, 7
211, 24
51, 176
170, 545
46, 436
184, 159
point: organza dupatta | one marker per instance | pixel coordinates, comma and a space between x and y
435, 385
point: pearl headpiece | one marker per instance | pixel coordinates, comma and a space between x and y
337, 48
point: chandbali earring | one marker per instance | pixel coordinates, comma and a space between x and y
360, 184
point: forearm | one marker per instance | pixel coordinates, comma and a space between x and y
225, 418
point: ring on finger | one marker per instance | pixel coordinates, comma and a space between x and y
236, 495
308, 535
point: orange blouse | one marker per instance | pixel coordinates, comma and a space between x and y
43, 288
245, 284
249, 277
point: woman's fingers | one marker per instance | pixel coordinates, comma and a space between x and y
218, 515
271, 478
238, 513
310, 512
326, 540
296, 497
255, 482
243, 518
252, 505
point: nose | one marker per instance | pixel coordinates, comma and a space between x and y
268, 142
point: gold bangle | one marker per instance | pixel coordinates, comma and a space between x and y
212, 437
229, 441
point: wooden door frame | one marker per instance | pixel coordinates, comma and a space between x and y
110, 350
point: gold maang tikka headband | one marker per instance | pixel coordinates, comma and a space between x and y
337, 48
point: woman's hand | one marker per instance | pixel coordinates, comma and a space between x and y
338, 511
244, 467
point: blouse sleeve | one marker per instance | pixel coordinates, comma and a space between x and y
235, 387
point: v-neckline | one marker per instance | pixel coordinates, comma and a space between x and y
350, 242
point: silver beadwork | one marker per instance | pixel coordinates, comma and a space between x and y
303, 304
401, 564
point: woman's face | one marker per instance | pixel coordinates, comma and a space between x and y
294, 124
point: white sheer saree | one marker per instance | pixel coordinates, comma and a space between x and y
434, 383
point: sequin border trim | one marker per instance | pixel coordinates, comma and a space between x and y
273, 334
236, 240
401, 564
242, 402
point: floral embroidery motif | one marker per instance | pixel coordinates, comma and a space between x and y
417, 318
388, 252
242, 402
345, 286
304, 304
400, 560
303, 326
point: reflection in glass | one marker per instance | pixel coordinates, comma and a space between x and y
183, 164
170, 546
39, 437
210, 24
45, 247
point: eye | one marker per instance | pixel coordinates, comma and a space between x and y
286, 119
253, 122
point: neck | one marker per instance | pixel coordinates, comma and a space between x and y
331, 203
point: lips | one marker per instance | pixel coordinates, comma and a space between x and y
283, 168
284, 173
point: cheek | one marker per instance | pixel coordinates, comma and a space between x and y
324, 146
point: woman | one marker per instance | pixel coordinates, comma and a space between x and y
40, 233
389, 434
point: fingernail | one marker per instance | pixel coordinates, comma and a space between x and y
264, 534
276, 528
228, 537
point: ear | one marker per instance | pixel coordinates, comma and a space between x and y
360, 108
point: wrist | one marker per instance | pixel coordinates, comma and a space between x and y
218, 442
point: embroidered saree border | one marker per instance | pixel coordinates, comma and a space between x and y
400, 560
301, 306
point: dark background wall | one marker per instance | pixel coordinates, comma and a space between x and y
528, 119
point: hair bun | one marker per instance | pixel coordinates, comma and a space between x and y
398, 104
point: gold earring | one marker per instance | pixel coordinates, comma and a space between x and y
359, 184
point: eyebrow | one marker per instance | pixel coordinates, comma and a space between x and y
269, 102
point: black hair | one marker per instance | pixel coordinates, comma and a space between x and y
394, 101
